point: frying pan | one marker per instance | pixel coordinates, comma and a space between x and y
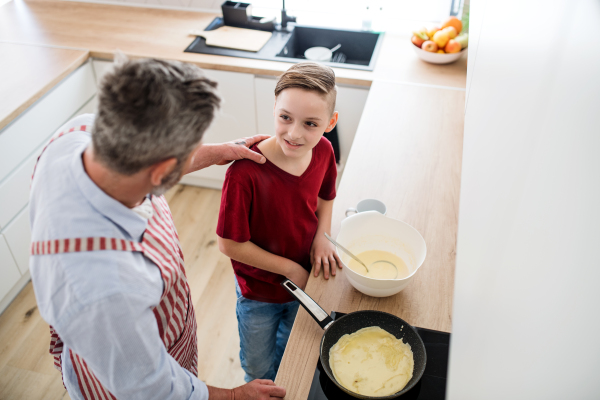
354, 321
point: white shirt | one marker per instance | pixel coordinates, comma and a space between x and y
100, 303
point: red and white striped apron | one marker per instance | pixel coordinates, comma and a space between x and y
174, 313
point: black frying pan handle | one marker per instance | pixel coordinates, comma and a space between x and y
311, 306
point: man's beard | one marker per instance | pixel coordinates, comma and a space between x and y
168, 181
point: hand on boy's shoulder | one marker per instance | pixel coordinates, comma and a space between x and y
240, 149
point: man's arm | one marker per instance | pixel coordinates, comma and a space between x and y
224, 153
322, 252
251, 254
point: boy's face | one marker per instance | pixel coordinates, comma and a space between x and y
301, 118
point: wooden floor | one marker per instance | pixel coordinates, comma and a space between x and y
26, 370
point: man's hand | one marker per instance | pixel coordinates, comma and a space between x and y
259, 389
240, 148
298, 275
224, 153
323, 255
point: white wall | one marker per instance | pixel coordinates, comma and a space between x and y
349, 14
527, 289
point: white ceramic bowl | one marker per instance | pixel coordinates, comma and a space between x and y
438, 58
371, 230
318, 54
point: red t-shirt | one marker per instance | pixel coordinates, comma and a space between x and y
276, 211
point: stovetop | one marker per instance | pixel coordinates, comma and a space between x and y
432, 385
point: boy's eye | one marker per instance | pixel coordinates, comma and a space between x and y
312, 124
285, 117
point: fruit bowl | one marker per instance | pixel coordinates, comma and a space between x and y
438, 58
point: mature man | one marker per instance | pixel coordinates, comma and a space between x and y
106, 263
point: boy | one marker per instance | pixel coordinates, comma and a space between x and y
273, 217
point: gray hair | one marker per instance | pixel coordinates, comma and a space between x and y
149, 111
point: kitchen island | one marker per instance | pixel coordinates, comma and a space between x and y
406, 152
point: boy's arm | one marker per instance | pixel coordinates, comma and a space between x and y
250, 254
322, 252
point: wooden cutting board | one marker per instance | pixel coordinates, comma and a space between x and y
235, 38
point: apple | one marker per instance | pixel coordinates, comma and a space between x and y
453, 21
432, 31
463, 39
417, 41
451, 31
441, 38
422, 31
430, 46
452, 47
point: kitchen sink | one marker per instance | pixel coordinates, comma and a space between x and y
360, 48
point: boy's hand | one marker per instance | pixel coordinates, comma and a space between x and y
323, 255
298, 275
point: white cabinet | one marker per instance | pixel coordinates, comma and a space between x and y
9, 273
32, 128
14, 190
237, 118
20, 145
264, 92
350, 103
18, 237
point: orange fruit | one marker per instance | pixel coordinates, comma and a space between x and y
453, 21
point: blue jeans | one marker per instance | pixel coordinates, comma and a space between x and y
264, 331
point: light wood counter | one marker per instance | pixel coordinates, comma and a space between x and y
146, 32
30, 71
407, 152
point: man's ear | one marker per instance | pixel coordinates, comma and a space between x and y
332, 122
161, 169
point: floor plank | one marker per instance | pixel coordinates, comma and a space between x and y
26, 370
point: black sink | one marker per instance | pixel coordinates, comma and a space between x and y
360, 48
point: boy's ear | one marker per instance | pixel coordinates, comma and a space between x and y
332, 122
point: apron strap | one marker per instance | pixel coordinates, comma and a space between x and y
76, 245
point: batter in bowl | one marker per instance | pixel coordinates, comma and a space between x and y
379, 270
371, 362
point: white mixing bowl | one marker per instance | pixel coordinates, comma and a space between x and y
371, 230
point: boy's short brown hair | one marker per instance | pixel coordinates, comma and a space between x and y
310, 76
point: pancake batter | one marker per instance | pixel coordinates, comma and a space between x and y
379, 270
372, 362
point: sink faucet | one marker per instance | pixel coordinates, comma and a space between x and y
285, 18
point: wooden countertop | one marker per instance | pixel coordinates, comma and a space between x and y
407, 152
103, 29
30, 71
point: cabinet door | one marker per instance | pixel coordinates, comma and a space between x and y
14, 190
18, 237
350, 103
264, 89
237, 118
101, 67
32, 128
9, 272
